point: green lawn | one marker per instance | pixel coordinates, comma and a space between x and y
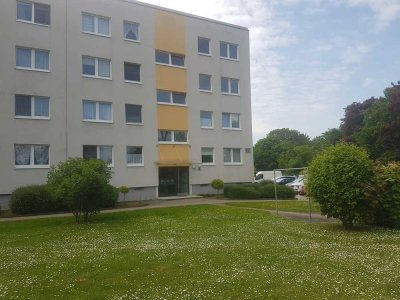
196, 252
283, 205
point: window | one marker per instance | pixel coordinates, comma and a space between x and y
171, 136
203, 46
207, 156
35, 107
232, 156
206, 119
134, 156
229, 51
230, 86
35, 13
170, 59
133, 114
97, 111
104, 153
205, 83
32, 59
132, 72
31, 156
171, 97
96, 67
131, 31
96, 24
230, 121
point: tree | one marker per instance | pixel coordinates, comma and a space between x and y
217, 184
336, 180
123, 189
82, 184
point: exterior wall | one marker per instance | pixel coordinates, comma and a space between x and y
66, 132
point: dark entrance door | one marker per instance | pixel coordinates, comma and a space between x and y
173, 181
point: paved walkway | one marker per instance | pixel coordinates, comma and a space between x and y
183, 202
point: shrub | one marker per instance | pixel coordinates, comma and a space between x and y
35, 199
266, 182
241, 191
217, 184
336, 180
123, 189
283, 191
82, 184
110, 196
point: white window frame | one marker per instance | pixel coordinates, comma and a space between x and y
213, 157
134, 165
97, 119
209, 46
123, 31
33, 13
211, 86
32, 157
212, 120
173, 137
98, 152
171, 98
230, 122
96, 25
140, 73
141, 114
32, 116
170, 60
33, 56
231, 156
96, 68
228, 50
230, 86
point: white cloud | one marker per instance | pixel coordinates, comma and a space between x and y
354, 53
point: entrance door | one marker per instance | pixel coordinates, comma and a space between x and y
173, 181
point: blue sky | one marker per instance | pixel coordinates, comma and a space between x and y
310, 58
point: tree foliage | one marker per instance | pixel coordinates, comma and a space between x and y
336, 180
82, 184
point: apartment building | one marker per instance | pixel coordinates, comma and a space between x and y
162, 96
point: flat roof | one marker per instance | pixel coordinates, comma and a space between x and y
184, 14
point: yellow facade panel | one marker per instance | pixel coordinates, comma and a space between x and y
172, 117
173, 155
170, 78
170, 32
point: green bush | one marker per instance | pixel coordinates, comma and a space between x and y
33, 199
283, 192
337, 178
266, 182
217, 184
258, 191
241, 191
83, 184
110, 197
124, 190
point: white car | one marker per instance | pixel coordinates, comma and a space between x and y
297, 185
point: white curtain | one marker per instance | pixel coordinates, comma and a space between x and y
106, 154
235, 120
24, 11
41, 155
226, 122
134, 155
104, 68
103, 25
89, 110
24, 58
131, 31
236, 155
41, 106
105, 111
41, 60
227, 155
206, 119
88, 23
22, 155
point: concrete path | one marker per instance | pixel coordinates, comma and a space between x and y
182, 202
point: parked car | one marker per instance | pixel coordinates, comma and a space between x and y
285, 179
298, 185
266, 175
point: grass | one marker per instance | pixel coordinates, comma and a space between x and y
283, 205
195, 252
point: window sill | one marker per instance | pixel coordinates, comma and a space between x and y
207, 128
230, 94
208, 164
204, 54
233, 164
228, 58
133, 82
97, 121
173, 143
135, 165
31, 167
233, 129
97, 34
32, 69
32, 118
172, 104
132, 41
32, 22
135, 124
96, 77
169, 65
206, 91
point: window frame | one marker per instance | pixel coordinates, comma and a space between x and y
212, 155
173, 137
231, 162
97, 119
170, 54
230, 86
141, 115
123, 31
33, 13
142, 157
212, 120
171, 98
33, 101
140, 73
209, 46
96, 68
231, 121
211, 86
96, 25
98, 152
33, 59
228, 51
32, 157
